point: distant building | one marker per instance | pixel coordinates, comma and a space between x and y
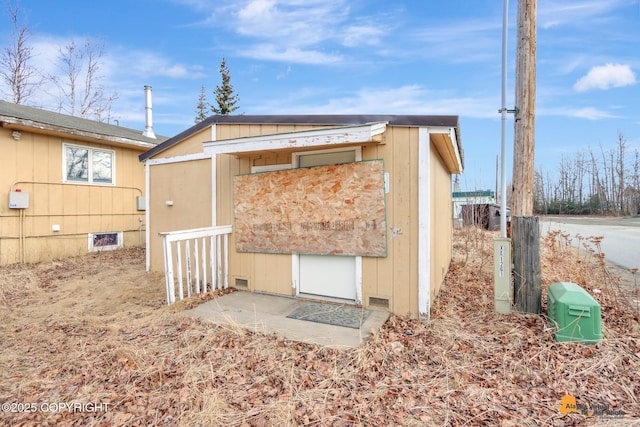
462, 198
477, 208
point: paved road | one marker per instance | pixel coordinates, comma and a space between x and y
621, 242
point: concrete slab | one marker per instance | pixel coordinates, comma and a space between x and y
268, 314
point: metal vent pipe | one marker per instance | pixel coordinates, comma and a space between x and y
148, 120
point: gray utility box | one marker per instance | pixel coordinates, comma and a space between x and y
18, 200
141, 203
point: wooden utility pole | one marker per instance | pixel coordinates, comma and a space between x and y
525, 227
525, 116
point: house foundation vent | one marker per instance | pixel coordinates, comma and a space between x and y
379, 302
242, 283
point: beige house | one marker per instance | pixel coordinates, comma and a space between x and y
348, 208
69, 185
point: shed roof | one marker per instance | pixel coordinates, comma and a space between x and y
16, 116
328, 120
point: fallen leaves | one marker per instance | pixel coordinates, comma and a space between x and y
156, 366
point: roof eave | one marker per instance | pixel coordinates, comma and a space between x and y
39, 127
302, 139
446, 142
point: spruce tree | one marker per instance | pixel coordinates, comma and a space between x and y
201, 107
226, 100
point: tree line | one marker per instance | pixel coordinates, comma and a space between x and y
592, 182
77, 80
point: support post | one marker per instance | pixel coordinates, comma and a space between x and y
527, 289
525, 227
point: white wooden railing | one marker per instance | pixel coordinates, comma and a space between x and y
190, 254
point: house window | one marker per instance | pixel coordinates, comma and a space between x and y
105, 241
88, 165
332, 156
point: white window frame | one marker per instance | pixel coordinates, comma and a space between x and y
295, 156
90, 150
118, 245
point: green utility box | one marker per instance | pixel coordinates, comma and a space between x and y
575, 314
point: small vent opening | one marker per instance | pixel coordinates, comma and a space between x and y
379, 302
242, 283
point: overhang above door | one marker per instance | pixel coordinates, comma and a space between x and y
327, 137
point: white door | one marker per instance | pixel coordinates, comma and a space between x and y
327, 275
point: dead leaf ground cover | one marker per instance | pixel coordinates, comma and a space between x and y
95, 330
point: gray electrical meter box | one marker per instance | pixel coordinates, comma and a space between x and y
18, 200
140, 203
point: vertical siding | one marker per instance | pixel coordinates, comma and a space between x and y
34, 165
441, 223
396, 277
377, 273
189, 146
188, 186
12, 169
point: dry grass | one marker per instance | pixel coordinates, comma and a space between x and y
96, 329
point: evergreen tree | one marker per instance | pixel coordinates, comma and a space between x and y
201, 107
226, 100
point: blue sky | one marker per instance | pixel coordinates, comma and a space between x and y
357, 57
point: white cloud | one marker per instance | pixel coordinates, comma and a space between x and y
122, 63
570, 64
459, 42
277, 30
291, 22
152, 64
257, 10
591, 113
290, 54
356, 35
553, 13
588, 113
284, 74
606, 77
408, 99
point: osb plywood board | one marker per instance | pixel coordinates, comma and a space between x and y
323, 210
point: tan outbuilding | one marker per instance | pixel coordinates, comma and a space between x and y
69, 185
349, 208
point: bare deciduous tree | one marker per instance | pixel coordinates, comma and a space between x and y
633, 192
612, 180
80, 91
15, 63
620, 171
